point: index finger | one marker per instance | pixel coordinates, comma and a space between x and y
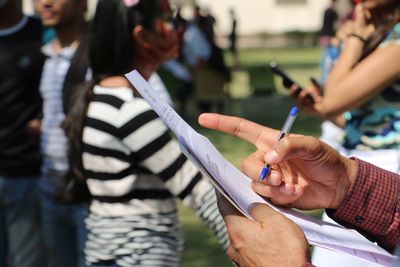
252, 132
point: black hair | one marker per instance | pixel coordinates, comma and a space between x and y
112, 49
112, 52
383, 29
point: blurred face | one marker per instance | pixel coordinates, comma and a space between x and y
376, 4
55, 13
164, 37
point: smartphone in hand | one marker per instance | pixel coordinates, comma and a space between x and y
287, 81
317, 85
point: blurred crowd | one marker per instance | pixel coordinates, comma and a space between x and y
90, 176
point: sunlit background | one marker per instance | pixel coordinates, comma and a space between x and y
285, 31
254, 16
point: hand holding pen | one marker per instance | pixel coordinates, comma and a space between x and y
285, 130
303, 178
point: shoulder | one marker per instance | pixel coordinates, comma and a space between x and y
34, 27
28, 29
34, 22
114, 97
135, 106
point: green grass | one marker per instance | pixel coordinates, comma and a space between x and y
201, 247
284, 56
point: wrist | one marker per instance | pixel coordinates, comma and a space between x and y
346, 181
357, 36
362, 33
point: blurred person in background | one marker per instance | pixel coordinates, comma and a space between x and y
205, 59
329, 24
66, 66
133, 168
233, 38
20, 67
362, 93
327, 32
177, 69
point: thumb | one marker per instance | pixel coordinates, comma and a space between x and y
263, 212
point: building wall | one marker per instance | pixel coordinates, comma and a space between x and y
255, 16
271, 15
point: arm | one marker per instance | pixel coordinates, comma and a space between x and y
372, 205
358, 80
361, 82
308, 174
358, 83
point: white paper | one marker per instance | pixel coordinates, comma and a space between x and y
237, 187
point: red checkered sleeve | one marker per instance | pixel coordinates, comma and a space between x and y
372, 205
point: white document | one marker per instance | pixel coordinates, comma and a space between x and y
236, 187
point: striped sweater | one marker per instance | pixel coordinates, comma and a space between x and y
135, 172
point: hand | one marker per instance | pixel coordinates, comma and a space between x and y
270, 240
362, 18
306, 173
308, 99
345, 29
34, 126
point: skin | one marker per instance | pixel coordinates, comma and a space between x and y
306, 173
348, 77
154, 47
66, 17
263, 242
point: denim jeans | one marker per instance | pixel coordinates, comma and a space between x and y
64, 232
20, 234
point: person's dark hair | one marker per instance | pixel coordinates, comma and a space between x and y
112, 52
382, 30
111, 45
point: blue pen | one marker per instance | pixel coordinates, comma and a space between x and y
285, 129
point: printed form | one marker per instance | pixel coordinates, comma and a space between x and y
236, 186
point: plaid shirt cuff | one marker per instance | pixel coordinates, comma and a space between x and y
372, 205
